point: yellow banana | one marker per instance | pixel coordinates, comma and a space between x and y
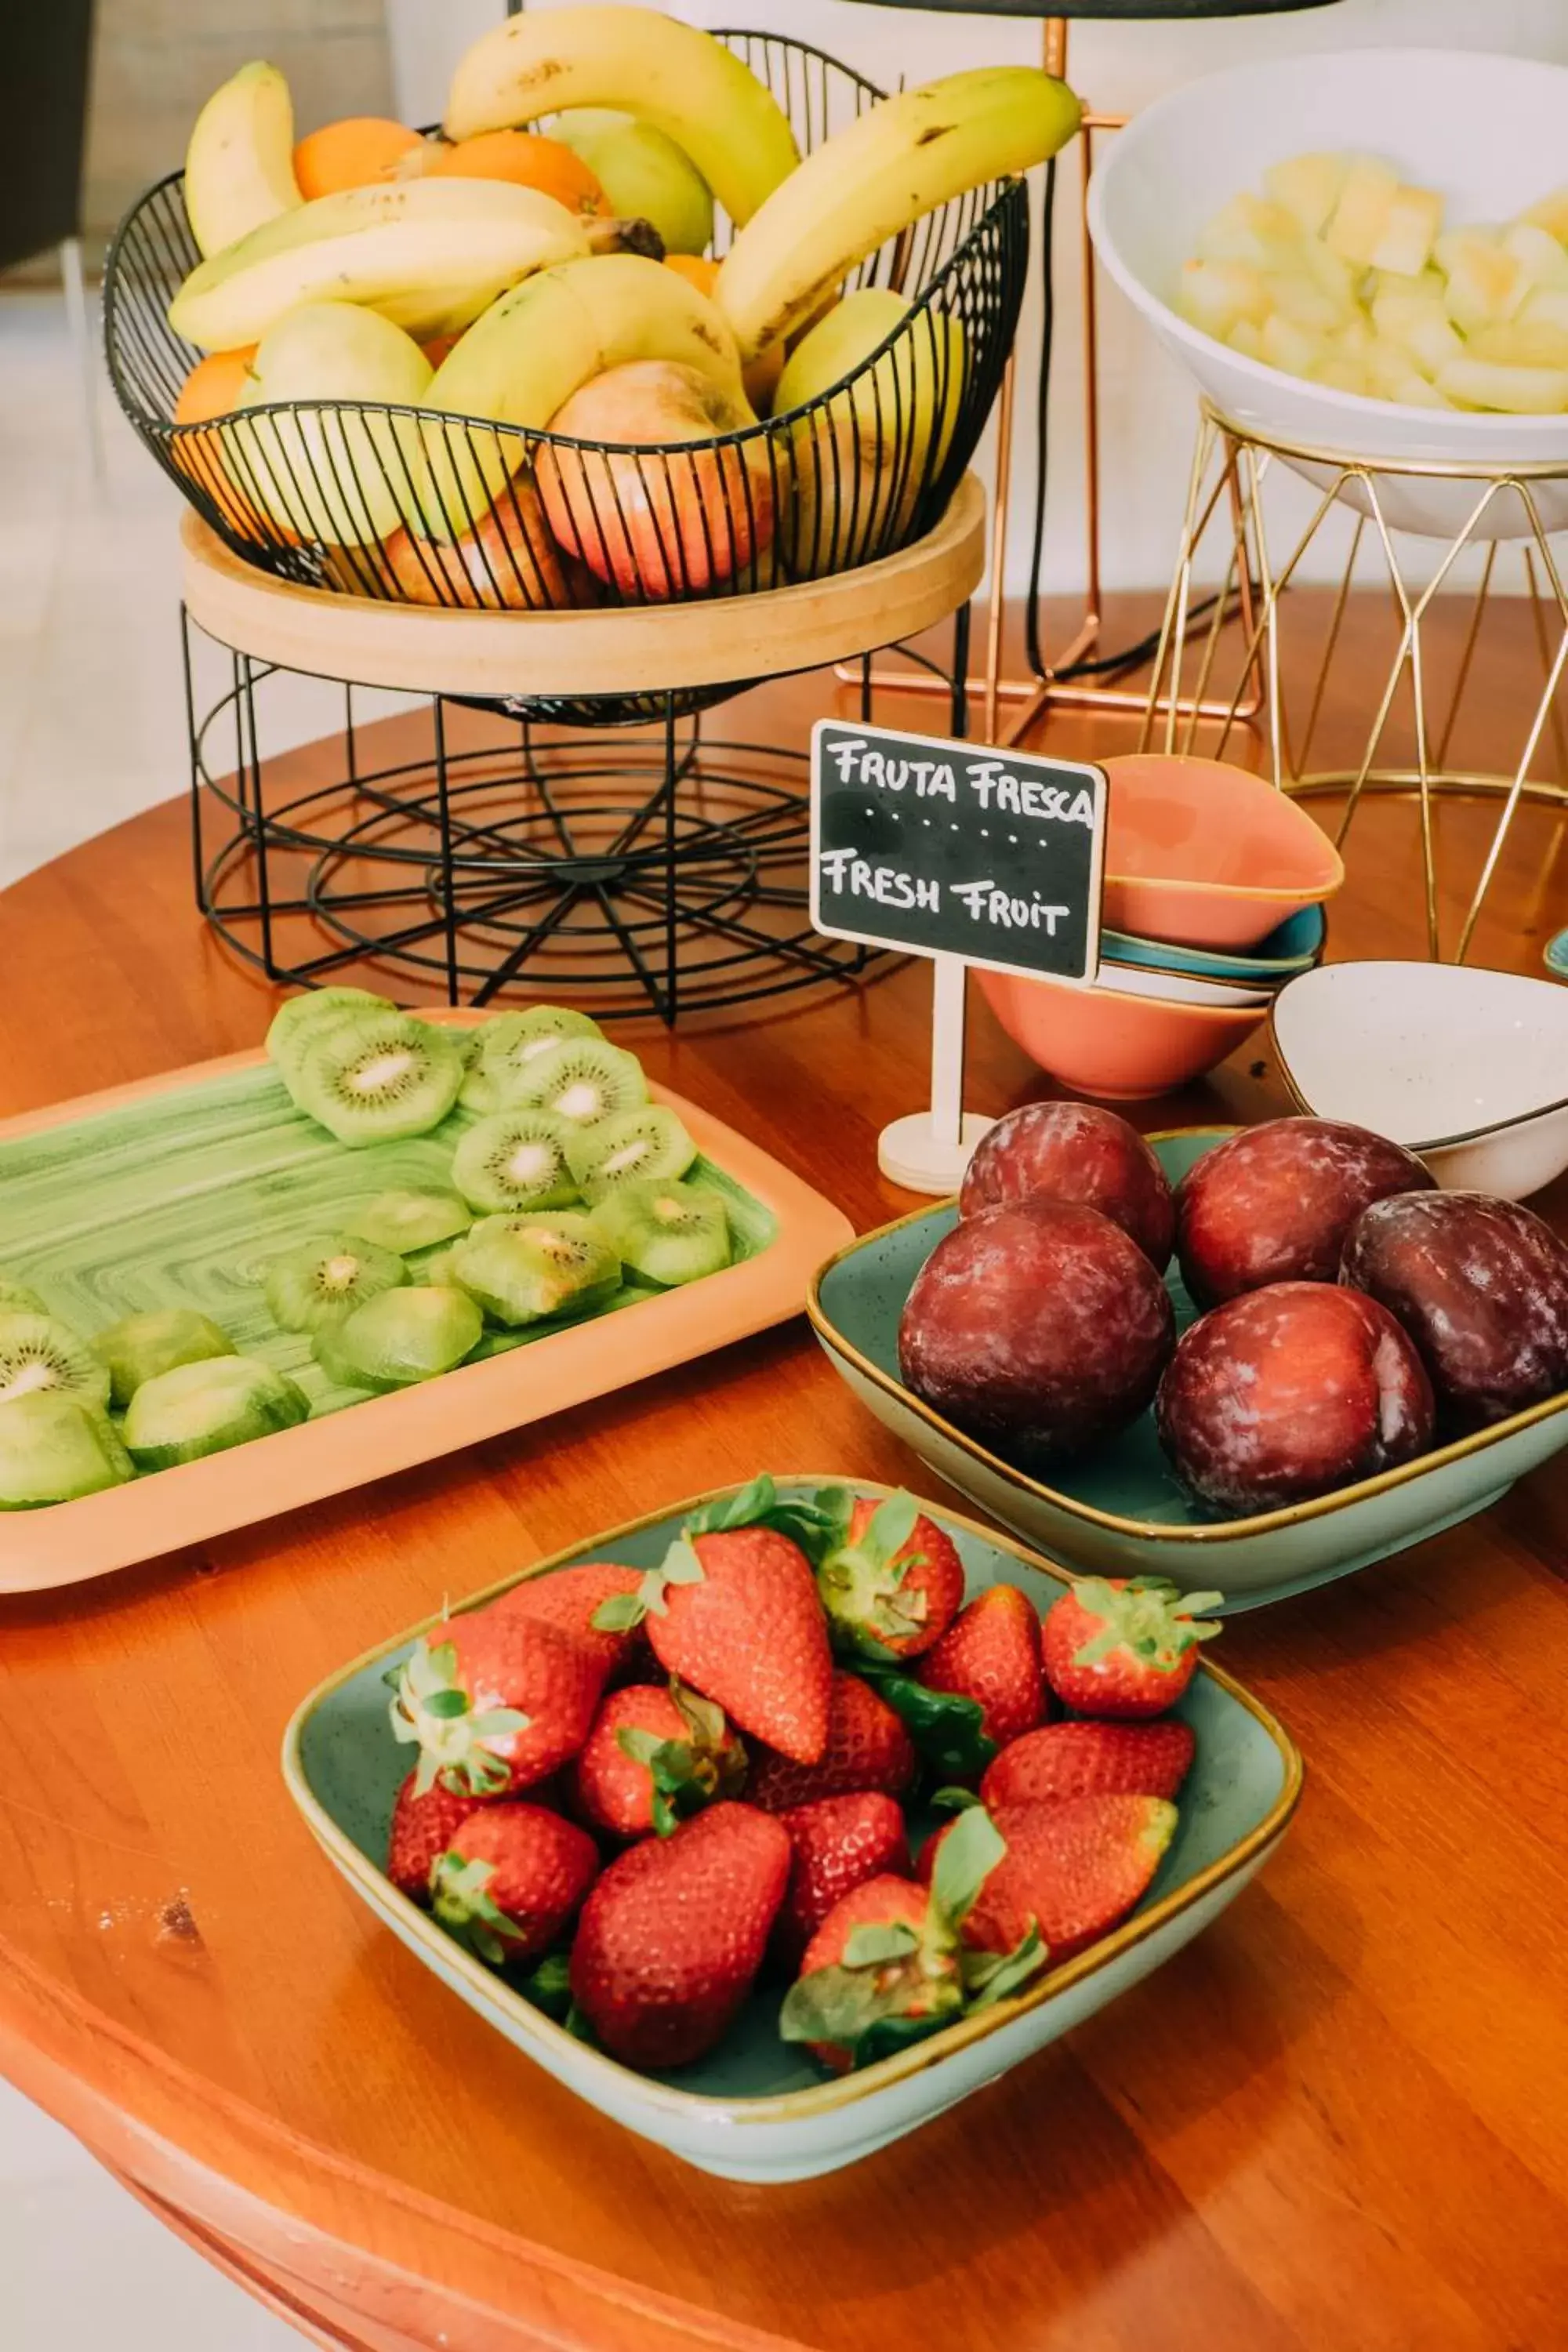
239, 165
898, 161
536, 346
431, 255
642, 62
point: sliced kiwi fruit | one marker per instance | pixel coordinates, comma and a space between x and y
582, 1080
324, 1280
16, 1298
378, 1078
522, 1269
39, 1352
645, 1145
304, 1018
513, 1040
139, 1347
404, 1220
402, 1336
668, 1233
514, 1159
54, 1449
479, 1091
199, 1409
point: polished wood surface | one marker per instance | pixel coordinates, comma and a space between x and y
1335, 2121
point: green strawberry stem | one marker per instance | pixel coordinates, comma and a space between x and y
1147, 1617
431, 1711
945, 1727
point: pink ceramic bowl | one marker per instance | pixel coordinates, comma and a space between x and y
1121, 1048
1203, 854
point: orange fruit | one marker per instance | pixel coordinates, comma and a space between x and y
215, 386
437, 349
350, 153
531, 161
761, 378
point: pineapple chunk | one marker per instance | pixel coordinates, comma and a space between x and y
1486, 283
1245, 338
1417, 322
1328, 272
1305, 304
1545, 308
1414, 223
1215, 295
1309, 187
1431, 282
1542, 259
1392, 374
1516, 391
1247, 229
1362, 217
1520, 343
1552, 215
1289, 348
1339, 372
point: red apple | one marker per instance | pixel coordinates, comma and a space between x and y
671, 522
508, 562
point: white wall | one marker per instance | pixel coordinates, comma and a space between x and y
1147, 402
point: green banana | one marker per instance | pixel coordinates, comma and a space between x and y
898, 161
239, 165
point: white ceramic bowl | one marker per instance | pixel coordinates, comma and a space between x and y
1177, 987
1486, 129
1469, 1068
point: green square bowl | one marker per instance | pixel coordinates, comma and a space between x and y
759, 2109
1120, 1510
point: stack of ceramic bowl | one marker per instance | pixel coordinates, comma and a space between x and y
1214, 889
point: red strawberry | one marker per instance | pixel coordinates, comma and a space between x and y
494, 1702
734, 1612
674, 1933
568, 1597
422, 1828
1090, 1759
1124, 1647
512, 1877
867, 1747
654, 1756
990, 1653
1072, 1869
838, 1842
895, 1584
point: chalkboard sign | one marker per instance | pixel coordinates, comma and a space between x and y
945, 848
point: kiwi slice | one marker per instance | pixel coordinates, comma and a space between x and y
669, 1233
323, 1281
402, 1336
404, 1220
650, 1144
16, 1298
516, 1159
139, 1347
378, 1078
582, 1080
479, 1091
524, 1268
199, 1409
38, 1352
303, 1018
513, 1040
54, 1448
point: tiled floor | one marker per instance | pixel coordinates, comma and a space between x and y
90, 730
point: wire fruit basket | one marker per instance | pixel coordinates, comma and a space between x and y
379, 500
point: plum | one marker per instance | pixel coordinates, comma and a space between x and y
1075, 1152
1039, 1327
1481, 1286
1288, 1392
1274, 1204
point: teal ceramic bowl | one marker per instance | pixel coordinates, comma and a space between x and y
760, 2110
1557, 955
1295, 946
1121, 1511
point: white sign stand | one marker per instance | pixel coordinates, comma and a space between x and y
928, 1151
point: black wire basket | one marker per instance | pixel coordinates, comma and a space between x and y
381, 502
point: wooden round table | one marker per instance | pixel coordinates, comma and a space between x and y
1335, 2120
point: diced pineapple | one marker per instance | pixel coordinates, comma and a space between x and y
1542, 259
1486, 283
1516, 391
1245, 338
1360, 217
1392, 374
1419, 324
1415, 221
1251, 230
1341, 372
1290, 348
1431, 281
1545, 308
1214, 295
1309, 188
1552, 215
1305, 304
1334, 276
1522, 342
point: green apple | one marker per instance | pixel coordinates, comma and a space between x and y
644, 173
322, 471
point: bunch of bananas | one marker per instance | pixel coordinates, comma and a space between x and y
542, 292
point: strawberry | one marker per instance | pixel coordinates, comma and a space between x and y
1072, 1869
838, 1842
674, 1933
422, 1828
494, 1702
654, 1756
734, 1611
568, 1597
867, 1747
512, 1877
1090, 1759
1124, 1647
894, 1583
990, 1653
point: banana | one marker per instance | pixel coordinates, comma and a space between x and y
637, 60
898, 161
536, 346
239, 165
430, 255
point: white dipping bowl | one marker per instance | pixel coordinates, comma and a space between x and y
1487, 131
1468, 1068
